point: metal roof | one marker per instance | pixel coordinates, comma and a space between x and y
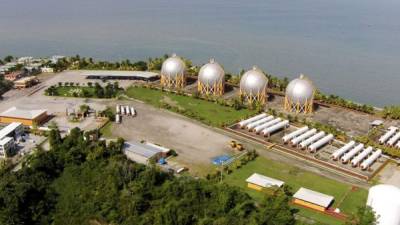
22, 113
5, 140
144, 150
118, 73
8, 129
264, 181
314, 197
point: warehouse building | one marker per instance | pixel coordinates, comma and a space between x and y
26, 117
13, 130
312, 199
26, 82
121, 75
144, 153
259, 182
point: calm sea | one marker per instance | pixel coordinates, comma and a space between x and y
348, 47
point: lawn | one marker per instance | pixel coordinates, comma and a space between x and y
208, 112
106, 130
346, 199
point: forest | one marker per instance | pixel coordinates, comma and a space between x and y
91, 182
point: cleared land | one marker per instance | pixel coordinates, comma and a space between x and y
208, 112
347, 198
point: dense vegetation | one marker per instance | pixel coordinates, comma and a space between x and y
84, 182
336, 100
5, 85
391, 112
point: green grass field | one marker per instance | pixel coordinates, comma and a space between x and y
210, 113
346, 199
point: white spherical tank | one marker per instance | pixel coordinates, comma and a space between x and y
253, 82
300, 90
212, 74
385, 202
173, 67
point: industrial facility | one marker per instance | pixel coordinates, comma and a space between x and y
7, 136
259, 182
391, 137
24, 116
144, 152
173, 73
211, 79
385, 202
253, 86
299, 96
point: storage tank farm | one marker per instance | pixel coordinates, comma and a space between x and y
253, 86
211, 79
173, 73
385, 202
299, 97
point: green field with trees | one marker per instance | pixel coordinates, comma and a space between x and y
70, 89
211, 112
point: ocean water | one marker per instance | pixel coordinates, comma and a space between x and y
349, 48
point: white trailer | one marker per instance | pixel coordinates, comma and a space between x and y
360, 157
394, 139
261, 127
312, 139
133, 111
352, 153
294, 134
391, 131
368, 162
127, 110
398, 145
315, 146
338, 153
123, 110
304, 136
252, 125
118, 118
278, 126
243, 123
118, 109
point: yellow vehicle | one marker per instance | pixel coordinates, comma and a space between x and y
239, 147
233, 144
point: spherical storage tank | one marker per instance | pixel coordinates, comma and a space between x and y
385, 202
211, 78
300, 95
253, 85
173, 72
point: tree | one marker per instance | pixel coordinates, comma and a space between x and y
364, 216
8, 58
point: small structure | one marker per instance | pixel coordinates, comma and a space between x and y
24, 116
211, 80
299, 96
46, 69
25, 82
253, 86
385, 202
173, 73
142, 153
312, 199
13, 130
259, 182
376, 123
6, 146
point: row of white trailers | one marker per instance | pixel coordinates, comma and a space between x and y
264, 124
306, 138
357, 155
391, 137
125, 110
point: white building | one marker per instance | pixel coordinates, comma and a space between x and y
385, 202
6, 146
13, 130
47, 70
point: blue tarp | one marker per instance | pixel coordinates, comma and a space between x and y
220, 159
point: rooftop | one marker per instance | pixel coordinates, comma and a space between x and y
5, 140
144, 150
314, 197
264, 181
8, 129
118, 73
22, 113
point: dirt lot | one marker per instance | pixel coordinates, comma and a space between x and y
390, 175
